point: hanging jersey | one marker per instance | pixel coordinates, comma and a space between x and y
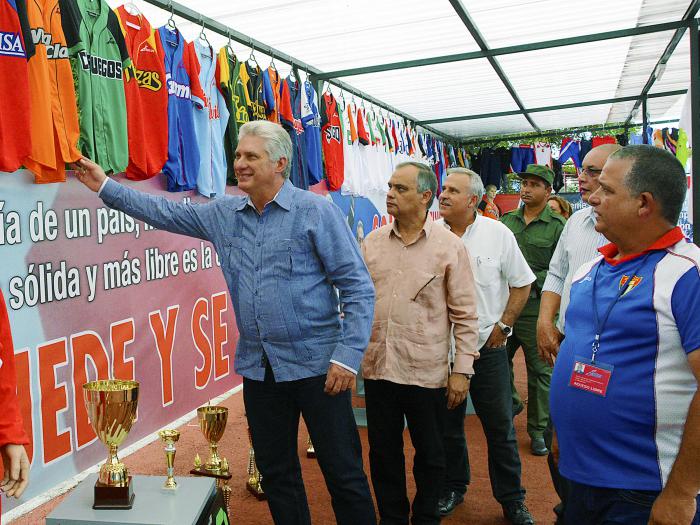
290, 116
54, 113
251, 76
570, 150
146, 97
184, 92
332, 142
99, 53
15, 48
271, 94
233, 90
311, 120
543, 154
210, 125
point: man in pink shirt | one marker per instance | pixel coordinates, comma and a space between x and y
424, 288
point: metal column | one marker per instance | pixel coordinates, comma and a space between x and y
645, 120
695, 125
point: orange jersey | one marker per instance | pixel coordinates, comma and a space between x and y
146, 97
54, 113
15, 47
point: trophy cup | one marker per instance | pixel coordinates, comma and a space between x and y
111, 407
212, 422
170, 437
254, 483
310, 450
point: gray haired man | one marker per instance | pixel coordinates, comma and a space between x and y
283, 251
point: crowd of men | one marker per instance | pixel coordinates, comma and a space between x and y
605, 307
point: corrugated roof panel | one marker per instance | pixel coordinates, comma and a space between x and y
485, 127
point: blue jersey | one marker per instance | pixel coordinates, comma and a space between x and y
210, 125
311, 120
290, 117
184, 91
630, 438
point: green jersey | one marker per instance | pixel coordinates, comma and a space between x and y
99, 57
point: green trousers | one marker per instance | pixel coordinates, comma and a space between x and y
539, 373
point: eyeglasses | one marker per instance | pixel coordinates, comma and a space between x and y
591, 172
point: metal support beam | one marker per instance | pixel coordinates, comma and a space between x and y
689, 15
481, 42
508, 50
645, 121
530, 135
552, 108
695, 126
216, 26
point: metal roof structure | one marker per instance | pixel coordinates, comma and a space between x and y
468, 69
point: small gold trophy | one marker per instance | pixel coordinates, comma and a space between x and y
254, 483
212, 423
111, 407
310, 450
170, 437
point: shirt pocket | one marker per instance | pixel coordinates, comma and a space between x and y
288, 258
426, 289
486, 270
234, 251
540, 250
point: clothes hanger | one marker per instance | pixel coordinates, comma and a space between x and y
132, 9
171, 21
251, 58
272, 66
203, 35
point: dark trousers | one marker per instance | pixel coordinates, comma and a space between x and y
273, 411
491, 396
387, 404
587, 505
561, 484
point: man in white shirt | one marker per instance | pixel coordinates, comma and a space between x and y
503, 280
578, 244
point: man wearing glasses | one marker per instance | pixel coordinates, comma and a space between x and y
578, 244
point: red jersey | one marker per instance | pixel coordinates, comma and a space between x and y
332, 142
16, 48
146, 97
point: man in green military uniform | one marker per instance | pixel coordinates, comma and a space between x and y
537, 230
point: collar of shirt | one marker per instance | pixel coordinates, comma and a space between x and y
283, 198
667, 240
427, 227
470, 229
545, 215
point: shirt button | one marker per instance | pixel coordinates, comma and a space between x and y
258, 243
257, 268
255, 292
394, 295
264, 339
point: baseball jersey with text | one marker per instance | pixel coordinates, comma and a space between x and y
234, 92
251, 76
15, 48
272, 82
97, 46
332, 141
146, 97
184, 92
54, 112
210, 124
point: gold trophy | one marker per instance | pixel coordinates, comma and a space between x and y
310, 450
170, 437
111, 407
212, 423
254, 483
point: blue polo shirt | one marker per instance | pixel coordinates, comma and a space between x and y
630, 438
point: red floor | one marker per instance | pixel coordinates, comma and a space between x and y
479, 508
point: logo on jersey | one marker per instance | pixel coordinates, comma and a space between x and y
258, 110
145, 48
146, 79
333, 133
631, 283
213, 109
53, 50
179, 90
241, 111
11, 45
298, 126
99, 66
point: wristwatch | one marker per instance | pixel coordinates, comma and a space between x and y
507, 330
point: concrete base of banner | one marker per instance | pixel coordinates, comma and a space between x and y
152, 504
64, 487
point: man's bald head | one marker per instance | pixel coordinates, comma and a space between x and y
592, 165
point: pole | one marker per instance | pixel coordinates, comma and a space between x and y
695, 126
645, 120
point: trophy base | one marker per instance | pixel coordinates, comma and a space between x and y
256, 491
201, 471
310, 453
109, 497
